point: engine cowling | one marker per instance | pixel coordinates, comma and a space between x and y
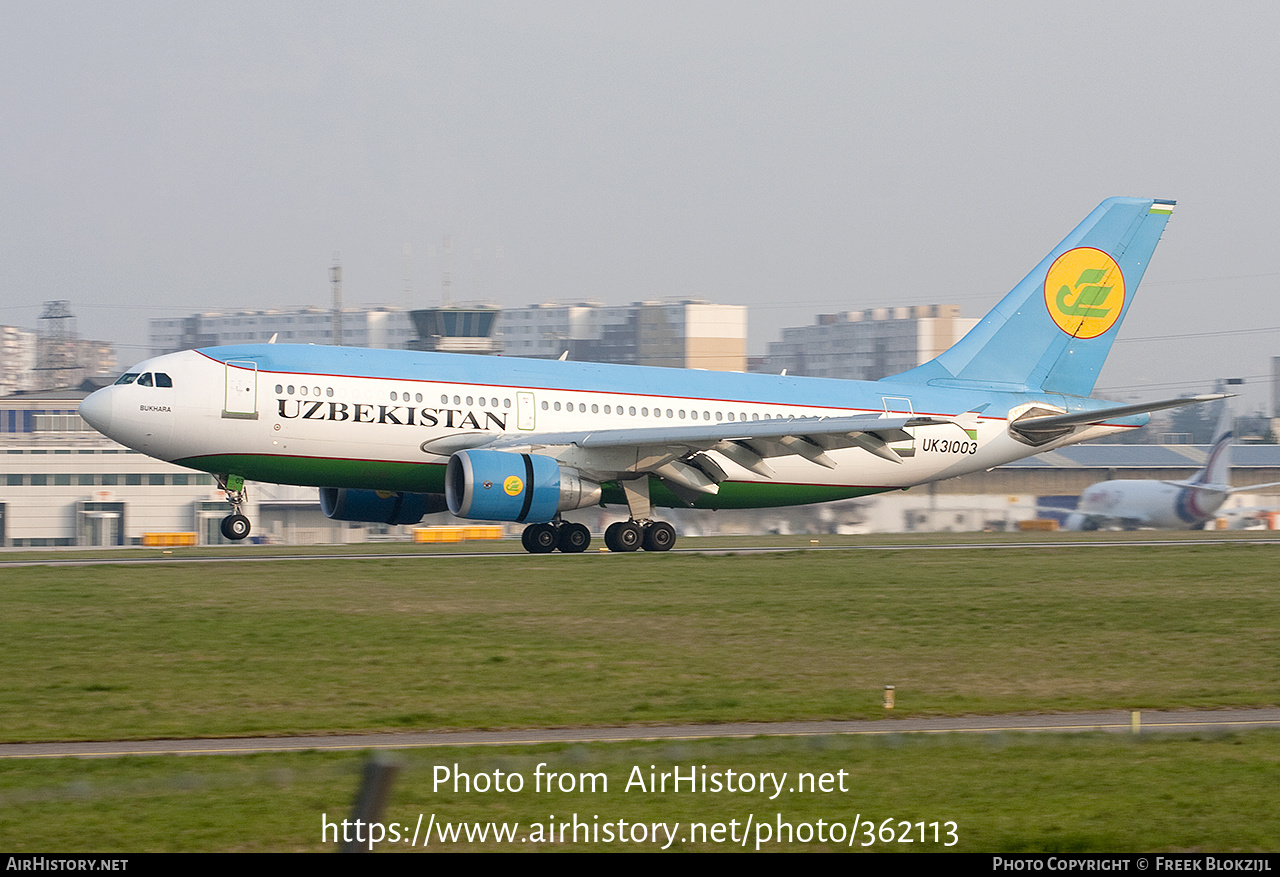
378, 506
502, 486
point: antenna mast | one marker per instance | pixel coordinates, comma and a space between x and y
335, 277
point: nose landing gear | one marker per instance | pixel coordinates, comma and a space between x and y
235, 526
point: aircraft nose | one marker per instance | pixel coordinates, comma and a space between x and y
96, 410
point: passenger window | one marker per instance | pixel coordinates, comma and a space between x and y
145, 380
163, 380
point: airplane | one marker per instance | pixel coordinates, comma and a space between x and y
1164, 505
391, 435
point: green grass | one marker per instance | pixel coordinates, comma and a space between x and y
327, 645
1006, 793
713, 543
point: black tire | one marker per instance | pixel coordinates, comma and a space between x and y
659, 536
573, 538
623, 536
539, 538
235, 527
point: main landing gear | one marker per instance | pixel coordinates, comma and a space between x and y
235, 526
639, 532
632, 535
545, 538
571, 538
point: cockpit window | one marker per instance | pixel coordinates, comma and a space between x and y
127, 378
145, 380
163, 380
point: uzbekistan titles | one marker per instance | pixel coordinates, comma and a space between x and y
398, 415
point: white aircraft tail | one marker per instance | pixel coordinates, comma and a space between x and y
1217, 469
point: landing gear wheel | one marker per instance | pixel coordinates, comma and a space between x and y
623, 536
235, 527
539, 538
573, 538
659, 536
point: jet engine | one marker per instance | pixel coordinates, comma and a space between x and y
378, 506
503, 486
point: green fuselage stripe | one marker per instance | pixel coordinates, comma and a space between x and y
429, 478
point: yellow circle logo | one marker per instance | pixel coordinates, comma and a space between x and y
513, 485
1084, 292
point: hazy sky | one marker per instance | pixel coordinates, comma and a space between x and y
162, 158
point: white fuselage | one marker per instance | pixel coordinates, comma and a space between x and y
341, 430
1139, 503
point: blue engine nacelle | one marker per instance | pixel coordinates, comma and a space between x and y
378, 506
502, 486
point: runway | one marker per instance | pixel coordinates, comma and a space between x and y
232, 556
1117, 721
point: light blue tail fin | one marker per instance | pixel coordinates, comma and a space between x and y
1054, 330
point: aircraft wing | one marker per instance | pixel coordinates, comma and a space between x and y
674, 453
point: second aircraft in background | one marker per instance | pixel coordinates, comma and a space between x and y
1165, 505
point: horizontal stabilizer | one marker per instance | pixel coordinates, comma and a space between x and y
1254, 487
1039, 430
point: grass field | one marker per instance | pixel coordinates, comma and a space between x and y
1007, 793
165, 650
193, 650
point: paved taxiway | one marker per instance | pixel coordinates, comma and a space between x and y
1115, 721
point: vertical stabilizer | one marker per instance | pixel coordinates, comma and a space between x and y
1053, 331
1217, 469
